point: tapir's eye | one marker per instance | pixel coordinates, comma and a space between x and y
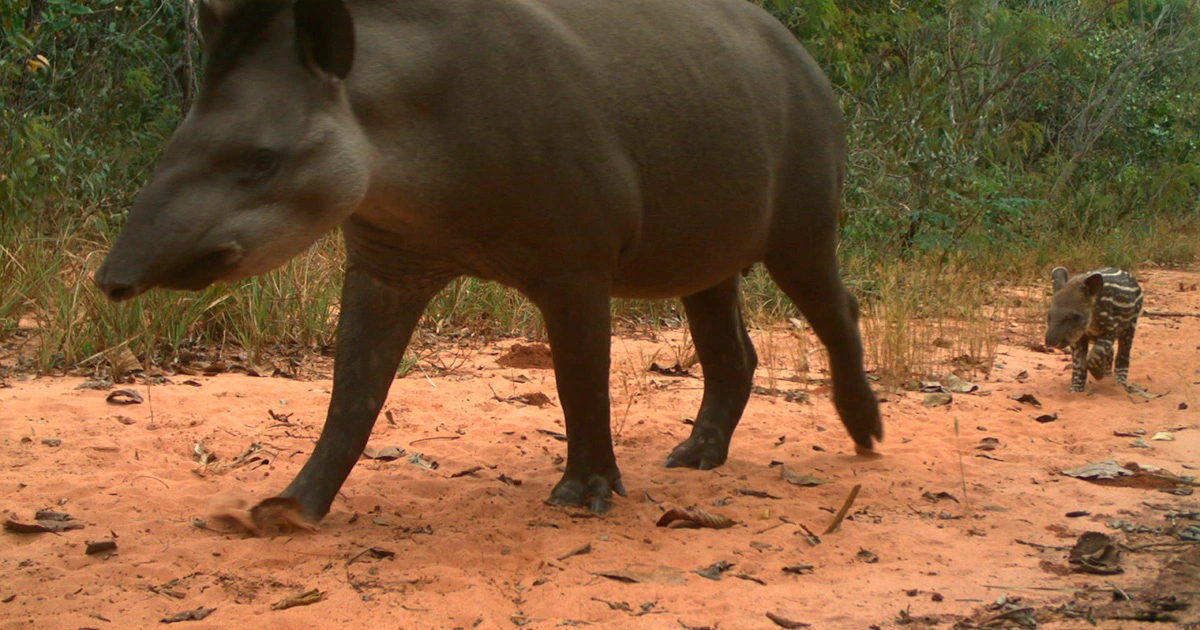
1076, 317
261, 164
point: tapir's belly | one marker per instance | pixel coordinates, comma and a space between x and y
683, 253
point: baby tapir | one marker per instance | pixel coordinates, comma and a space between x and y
573, 150
1101, 307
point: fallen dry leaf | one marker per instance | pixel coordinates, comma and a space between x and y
417, 460
188, 615
1096, 553
46, 523
100, 546
1028, 399
307, 598
714, 570
806, 481
385, 454
578, 551
783, 622
937, 400
867, 556
693, 517
123, 397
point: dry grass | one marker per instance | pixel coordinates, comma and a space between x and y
920, 317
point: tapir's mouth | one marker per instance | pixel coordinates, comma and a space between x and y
193, 274
201, 271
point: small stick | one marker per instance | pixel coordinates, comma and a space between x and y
436, 437
1178, 543
1121, 591
149, 477
1040, 546
837, 519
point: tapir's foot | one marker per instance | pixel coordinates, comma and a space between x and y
860, 415
594, 490
275, 516
704, 450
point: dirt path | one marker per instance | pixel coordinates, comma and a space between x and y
482, 551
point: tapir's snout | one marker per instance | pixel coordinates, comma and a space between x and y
116, 285
123, 278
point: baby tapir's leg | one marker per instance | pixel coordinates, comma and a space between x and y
1124, 343
1079, 361
1100, 359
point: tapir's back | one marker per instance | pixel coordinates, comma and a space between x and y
632, 118
1118, 305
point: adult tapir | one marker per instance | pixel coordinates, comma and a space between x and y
576, 151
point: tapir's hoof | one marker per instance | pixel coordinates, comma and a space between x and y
271, 517
595, 491
699, 453
860, 415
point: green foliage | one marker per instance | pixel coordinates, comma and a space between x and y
988, 138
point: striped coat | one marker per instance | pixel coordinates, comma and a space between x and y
1100, 308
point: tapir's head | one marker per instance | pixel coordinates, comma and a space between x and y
1071, 310
268, 159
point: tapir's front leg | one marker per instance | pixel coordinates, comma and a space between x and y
578, 325
374, 327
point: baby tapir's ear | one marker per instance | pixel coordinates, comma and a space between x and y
325, 35
1093, 284
1059, 278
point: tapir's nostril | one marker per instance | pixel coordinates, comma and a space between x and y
118, 292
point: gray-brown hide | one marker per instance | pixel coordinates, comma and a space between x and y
573, 150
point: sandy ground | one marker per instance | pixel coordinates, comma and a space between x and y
409, 546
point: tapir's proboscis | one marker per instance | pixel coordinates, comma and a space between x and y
576, 151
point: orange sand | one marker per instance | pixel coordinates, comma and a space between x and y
477, 552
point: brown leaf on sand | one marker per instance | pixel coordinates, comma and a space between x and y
937, 399
307, 598
580, 550
537, 399
385, 454
693, 517
1096, 553
123, 397
41, 527
100, 546
783, 622
800, 480
188, 615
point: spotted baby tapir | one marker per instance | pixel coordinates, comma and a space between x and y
1100, 307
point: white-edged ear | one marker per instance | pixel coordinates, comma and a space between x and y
1094, 283
209, 15
325, 35
1059, 276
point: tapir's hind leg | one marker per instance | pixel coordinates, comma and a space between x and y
728, 359
807, 273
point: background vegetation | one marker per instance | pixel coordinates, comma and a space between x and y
989, 140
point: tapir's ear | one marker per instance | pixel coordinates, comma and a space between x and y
1094, 283
208, 18
325, 35
1059, 277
